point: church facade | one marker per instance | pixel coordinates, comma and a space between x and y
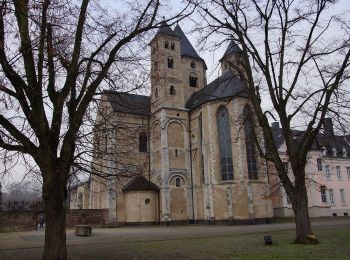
184, 153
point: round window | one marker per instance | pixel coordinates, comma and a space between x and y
147, 201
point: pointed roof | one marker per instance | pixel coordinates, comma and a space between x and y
140, 183
232, 48
165, 29
186, 46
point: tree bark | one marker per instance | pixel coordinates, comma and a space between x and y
55, 194
304, 234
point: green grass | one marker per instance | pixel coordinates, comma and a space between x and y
335, 244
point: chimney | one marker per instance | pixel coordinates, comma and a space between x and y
328, 126
275, 125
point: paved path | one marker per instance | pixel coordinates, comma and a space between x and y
35, 239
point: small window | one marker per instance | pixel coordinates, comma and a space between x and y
142, 142
172, 91
172, 46
156, 93
147, 201
323, 194
285, 165
338, 173
177, 182
319, 165
348, 171
193, 81
193, 65
170, 63
342, 197
176, 153
331, 196
166, 45
328, 172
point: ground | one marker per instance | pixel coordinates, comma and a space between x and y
190, 242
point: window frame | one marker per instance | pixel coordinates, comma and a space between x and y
172, 46
331, 196
166, 45
172, 91
171, 64
338, 172
328, 172
252, 164
323, 194
143, 142
193, 81
342, 197
319, 164
178, 182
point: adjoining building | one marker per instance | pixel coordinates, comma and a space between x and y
327, 173
184, 152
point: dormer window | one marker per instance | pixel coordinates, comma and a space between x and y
170, 63
193, 65
172, 91
166, 45
334, 152
193, 81
172, 46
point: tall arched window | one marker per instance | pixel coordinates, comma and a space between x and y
200, 127
172, 91
225, 144
142, 142
193, 80
172, 46
250, 144
166, 45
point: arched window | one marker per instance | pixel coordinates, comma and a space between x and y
177, 182
193, 65
166, 45
200, 127
250, 144
172, 91
142, 142
172, 46
156, 93
80, 201
170, 63
193, 81
225, 144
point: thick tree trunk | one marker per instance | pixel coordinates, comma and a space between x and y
304, 234
55, 194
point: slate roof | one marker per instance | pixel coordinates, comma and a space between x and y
232, 48
322, 141
165, 29
129, 103
186, 46
140, 183
227, 85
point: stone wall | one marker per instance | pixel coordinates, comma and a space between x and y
17, 221
11, 221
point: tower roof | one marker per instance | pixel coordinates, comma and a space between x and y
232, 48
165, 29
186, 46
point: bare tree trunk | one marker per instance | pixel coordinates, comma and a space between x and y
304, 234
55, 195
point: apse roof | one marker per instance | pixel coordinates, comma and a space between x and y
140, 183
225, 86
129, 103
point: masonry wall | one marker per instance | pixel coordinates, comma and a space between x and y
11, 221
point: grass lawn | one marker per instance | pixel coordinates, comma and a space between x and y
335, 244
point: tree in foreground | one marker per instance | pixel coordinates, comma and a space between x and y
294, 60
55, 57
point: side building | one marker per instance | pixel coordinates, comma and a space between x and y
327, 174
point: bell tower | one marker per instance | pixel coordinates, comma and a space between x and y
232, 59
166, 84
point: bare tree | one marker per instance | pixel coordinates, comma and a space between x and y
294, 62
55, 56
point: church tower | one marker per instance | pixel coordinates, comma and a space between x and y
232, 59
166, 70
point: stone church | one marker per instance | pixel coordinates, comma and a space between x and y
184, 153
